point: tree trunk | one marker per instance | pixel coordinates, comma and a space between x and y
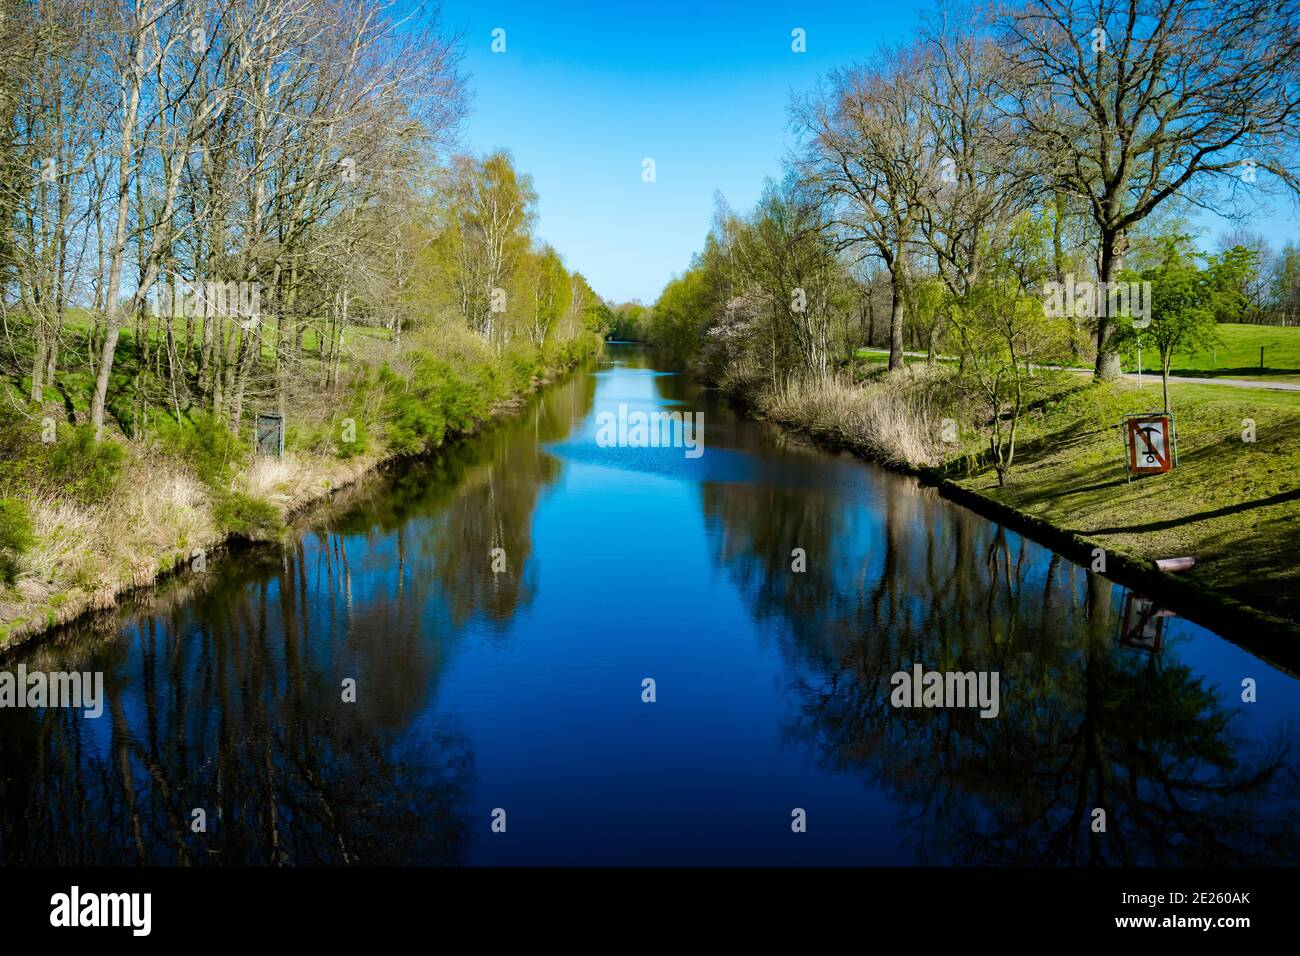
38, 361
896, 318
1107, 368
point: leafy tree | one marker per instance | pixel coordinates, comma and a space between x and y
630, 322
1285, 284
681, 314
542, 293
926, 300
1183, 300
488, 224
1236, 273
1004, 331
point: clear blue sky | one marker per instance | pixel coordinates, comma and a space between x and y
586, 90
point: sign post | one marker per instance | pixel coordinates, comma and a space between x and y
1151, 444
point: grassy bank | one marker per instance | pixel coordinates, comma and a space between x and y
83, 523
1231, 503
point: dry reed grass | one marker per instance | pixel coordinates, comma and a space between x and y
893, 419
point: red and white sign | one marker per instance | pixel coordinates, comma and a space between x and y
1150, 441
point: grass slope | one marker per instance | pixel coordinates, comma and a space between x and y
1233, 504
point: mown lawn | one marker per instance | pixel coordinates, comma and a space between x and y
1237, 356
1231, 503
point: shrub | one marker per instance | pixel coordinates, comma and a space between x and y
21, 459
358, 442
87, 469
311, 437
206, 445
243, 514
413, 425
521, 368
15, 536
464, 401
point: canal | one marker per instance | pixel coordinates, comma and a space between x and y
455, 665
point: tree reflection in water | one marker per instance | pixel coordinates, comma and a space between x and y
1085, 722
226, 694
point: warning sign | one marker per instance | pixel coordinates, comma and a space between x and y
1151, 443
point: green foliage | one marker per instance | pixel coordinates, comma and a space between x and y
926, 302
243, 514
205, 445
352, 437
1231, 273
413, 410
413, 425
522, 367
629, 322
21, 461
599, 318
463, 401
86, 469
308, 437
680, 315
1184, 299
1284, 283
15, 536
542, 287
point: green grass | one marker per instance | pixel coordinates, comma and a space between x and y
1237, 356
1234, 505
1239, 351
76, 324
1183, 393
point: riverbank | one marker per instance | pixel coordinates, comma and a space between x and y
1233, 502
90, 524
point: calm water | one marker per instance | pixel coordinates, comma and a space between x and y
522, 690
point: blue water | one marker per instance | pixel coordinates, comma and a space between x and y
521, 690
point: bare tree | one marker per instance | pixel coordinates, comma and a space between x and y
866, 153
1132, 103
978, 182
156, 59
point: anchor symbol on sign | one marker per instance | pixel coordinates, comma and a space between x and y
1150, 455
